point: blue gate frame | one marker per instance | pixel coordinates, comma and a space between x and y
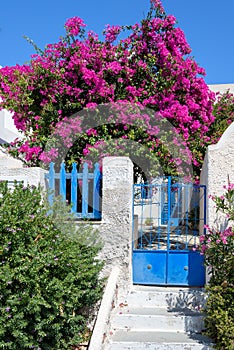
168, 217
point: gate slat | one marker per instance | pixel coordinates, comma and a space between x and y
51, 183
96, 191
62, 189
74, 188
85, 191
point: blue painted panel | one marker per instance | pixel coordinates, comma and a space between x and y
178, 268
148, 267
197, 270
185, 268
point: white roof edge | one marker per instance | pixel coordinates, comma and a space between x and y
222, 87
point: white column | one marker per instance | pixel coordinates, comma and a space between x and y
116, 227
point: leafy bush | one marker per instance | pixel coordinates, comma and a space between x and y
49, 277
219, 319
218, 247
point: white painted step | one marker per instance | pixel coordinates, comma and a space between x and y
174, 299
154, 319
123, 340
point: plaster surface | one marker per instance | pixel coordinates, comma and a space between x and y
116, 226
217, 171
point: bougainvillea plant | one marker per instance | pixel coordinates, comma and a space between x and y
223, 111
150, 67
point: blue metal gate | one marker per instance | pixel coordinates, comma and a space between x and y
168, 217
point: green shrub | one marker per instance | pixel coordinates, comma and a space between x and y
219, 319
49, 277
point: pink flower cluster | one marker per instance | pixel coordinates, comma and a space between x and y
214, 237
30, 151
229, 187
73, 25
111, 33
158, 4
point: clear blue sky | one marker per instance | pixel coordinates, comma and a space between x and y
208, 26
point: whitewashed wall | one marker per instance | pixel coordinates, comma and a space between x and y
7, 161
116, 226
218, 167
8, 131
222, 88
12, 169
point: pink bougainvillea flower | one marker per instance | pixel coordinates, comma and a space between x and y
111, 33
73, 25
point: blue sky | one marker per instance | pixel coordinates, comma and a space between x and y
208, 27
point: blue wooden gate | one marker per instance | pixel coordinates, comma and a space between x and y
168, 216
80, 189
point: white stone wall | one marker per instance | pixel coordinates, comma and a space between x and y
218, 167
29, 176
12, 169
116, 226
7, 161
8, 131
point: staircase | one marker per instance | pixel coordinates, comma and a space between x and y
155, 318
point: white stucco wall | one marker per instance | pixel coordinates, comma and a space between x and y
7, 161
12, 169
29, 176
218, 167
222, 88
116, 226
8, 131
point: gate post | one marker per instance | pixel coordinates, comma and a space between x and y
117, 210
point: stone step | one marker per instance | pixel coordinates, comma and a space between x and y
171, 298
152, 318
124, 340
157, 320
